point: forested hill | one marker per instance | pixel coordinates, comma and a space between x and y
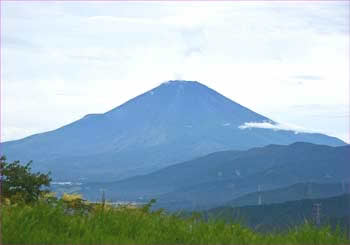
333, 211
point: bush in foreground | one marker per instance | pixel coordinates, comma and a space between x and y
19, 184
44, 223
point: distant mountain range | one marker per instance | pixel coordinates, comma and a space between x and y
172, 123
220, 177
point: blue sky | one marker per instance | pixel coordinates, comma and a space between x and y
62, 60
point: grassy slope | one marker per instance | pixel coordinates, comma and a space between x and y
43, 224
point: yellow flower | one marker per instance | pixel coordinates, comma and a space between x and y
72, 197
49, 195
7, 201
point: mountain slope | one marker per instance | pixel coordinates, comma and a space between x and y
334, 211
173, 122
222, 176
290, 193
297, 163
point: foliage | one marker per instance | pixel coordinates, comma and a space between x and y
48, 197
146, 208
74, 203
19, 184
42, 223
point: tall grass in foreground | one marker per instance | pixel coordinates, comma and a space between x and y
47, 224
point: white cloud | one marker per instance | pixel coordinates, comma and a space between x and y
92, 57
330, 119
275, 127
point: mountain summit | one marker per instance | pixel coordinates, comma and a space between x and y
174, 122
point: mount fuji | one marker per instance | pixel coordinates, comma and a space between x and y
174, 122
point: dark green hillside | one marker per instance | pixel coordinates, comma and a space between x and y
284, 215
220, 177
290, 193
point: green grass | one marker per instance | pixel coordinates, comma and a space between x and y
45, 224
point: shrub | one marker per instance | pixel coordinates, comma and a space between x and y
19, 184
